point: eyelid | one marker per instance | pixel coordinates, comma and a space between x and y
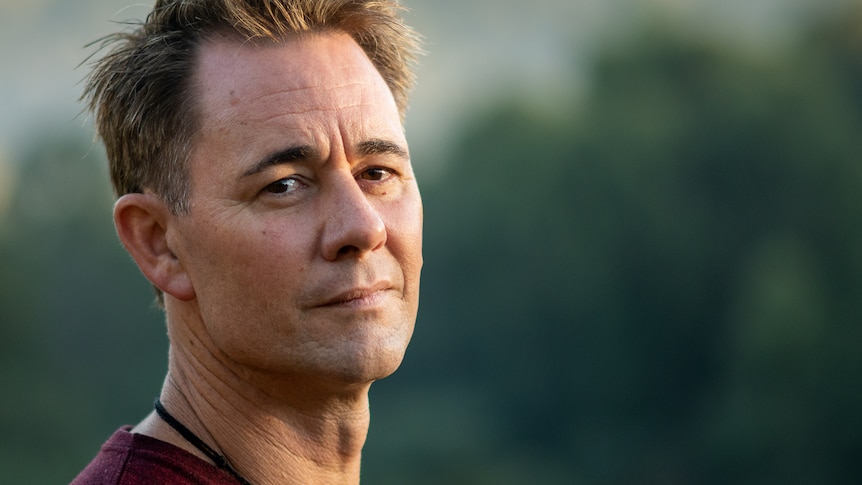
395, 165
389, 172
301, 184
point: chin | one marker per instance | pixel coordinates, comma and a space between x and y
360, 363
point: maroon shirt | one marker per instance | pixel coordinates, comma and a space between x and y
135, 459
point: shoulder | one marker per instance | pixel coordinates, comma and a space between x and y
135, 459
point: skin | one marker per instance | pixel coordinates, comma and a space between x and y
292, 283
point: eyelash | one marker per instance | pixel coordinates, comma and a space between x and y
384, 173
282, 183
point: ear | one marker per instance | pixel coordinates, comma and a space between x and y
143, 222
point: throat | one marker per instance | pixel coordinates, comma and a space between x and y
219, 460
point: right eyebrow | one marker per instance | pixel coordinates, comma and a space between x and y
294, 154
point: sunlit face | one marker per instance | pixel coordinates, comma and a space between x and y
304, 238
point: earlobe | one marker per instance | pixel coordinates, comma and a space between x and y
143, 222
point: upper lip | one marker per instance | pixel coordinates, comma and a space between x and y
355, 293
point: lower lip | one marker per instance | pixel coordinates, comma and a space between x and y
369, 301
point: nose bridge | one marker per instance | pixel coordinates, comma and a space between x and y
352, 222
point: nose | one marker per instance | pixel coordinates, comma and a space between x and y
352, 225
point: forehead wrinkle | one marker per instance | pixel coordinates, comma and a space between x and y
315, 89
303, 113
296, 105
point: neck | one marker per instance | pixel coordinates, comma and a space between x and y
271, 429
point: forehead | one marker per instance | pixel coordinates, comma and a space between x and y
303, 78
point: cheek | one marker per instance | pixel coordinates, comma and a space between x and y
405, 235
249, 276
411, 217
243, 262
269, 260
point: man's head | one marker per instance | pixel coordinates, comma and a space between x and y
295, 247
147, 105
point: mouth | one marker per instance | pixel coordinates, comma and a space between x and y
358, 297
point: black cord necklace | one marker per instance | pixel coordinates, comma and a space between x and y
219, 460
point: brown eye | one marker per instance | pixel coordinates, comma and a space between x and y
375, 174
283, 186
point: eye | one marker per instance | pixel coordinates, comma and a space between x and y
376, 174
284, 186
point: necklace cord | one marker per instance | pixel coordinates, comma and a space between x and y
219, 460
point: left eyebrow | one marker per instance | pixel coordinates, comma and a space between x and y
295, 154
382, 147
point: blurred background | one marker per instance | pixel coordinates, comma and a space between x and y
643, 248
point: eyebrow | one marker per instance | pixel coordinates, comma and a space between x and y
306, 153
295, 154
382, 147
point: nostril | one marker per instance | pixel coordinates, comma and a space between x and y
348, 250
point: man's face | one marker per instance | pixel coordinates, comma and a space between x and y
304, 238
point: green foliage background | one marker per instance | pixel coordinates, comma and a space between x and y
659, 282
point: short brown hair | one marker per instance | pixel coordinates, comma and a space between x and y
141, 92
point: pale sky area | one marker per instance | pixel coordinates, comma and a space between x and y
477, 51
